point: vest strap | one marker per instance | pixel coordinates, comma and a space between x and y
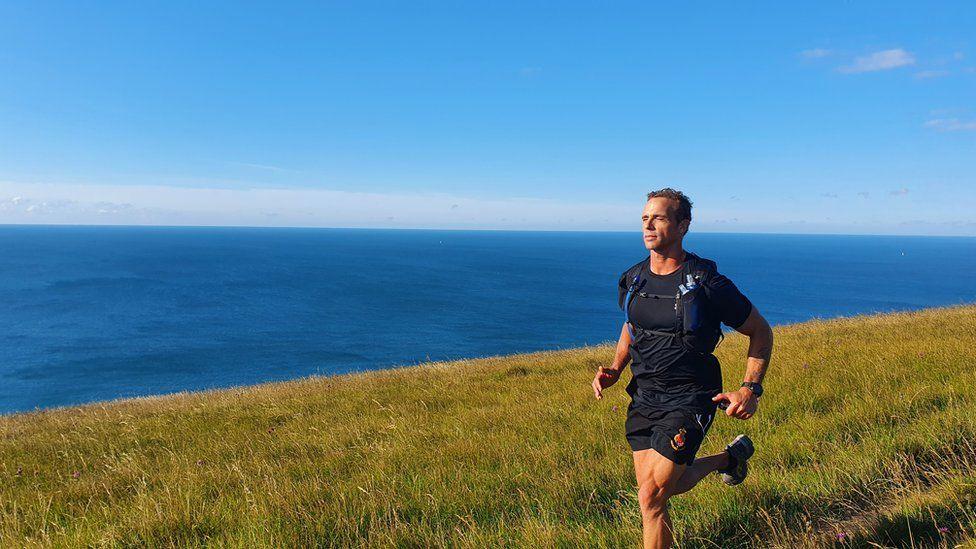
656, 296
655, 332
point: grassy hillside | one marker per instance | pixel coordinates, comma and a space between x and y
866, 437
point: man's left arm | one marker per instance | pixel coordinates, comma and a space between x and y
742, 403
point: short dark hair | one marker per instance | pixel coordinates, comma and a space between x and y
684, 203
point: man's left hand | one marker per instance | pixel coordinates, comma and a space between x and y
742, 404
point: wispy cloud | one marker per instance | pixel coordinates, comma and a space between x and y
879, 61
864, 194
164, 205
899, 192
33, 209
951, 125
829, 195
815, 53
923, 75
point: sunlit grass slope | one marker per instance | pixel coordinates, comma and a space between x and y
865, 438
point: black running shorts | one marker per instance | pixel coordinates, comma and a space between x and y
676, 434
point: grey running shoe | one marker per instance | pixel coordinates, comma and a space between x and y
740, 450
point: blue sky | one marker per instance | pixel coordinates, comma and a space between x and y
833, 117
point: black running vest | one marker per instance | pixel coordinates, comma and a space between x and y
692, 324
690, 372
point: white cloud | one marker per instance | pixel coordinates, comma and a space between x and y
165, 205
899, 192
880, 61
951, 125
815, 53
922, 75
49, 209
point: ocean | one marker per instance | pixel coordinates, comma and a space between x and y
96, 313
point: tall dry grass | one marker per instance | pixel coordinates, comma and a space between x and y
865, 438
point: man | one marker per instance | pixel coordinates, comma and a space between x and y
675, 303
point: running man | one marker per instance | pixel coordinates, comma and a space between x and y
675, 303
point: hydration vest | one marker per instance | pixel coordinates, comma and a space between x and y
693, 326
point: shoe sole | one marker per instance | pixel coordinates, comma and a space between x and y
733, 481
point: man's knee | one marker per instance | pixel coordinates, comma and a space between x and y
652, 497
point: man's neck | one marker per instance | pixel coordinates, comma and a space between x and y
667, 261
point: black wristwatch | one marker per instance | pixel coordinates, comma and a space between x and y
756, 388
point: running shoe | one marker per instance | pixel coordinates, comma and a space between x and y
740, 450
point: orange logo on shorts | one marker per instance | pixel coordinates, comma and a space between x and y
678, 442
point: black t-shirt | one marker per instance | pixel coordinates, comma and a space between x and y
663, 365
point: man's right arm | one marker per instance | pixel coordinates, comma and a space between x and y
622, 357
605, 377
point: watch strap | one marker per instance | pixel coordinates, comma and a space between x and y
753, 386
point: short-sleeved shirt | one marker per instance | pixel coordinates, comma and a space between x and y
664, 366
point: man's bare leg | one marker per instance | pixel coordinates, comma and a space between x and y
700, 469
656, 480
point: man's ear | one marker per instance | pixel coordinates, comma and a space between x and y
684, 225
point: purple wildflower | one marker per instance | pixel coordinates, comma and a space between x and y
76, 474
841, 536
614, 409
943, 530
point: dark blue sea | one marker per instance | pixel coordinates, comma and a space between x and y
95, 313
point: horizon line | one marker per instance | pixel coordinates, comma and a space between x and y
299, 227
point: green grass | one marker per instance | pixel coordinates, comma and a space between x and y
867, 430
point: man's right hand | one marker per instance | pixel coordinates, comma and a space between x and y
604, 378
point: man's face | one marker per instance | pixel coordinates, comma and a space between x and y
661, 227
